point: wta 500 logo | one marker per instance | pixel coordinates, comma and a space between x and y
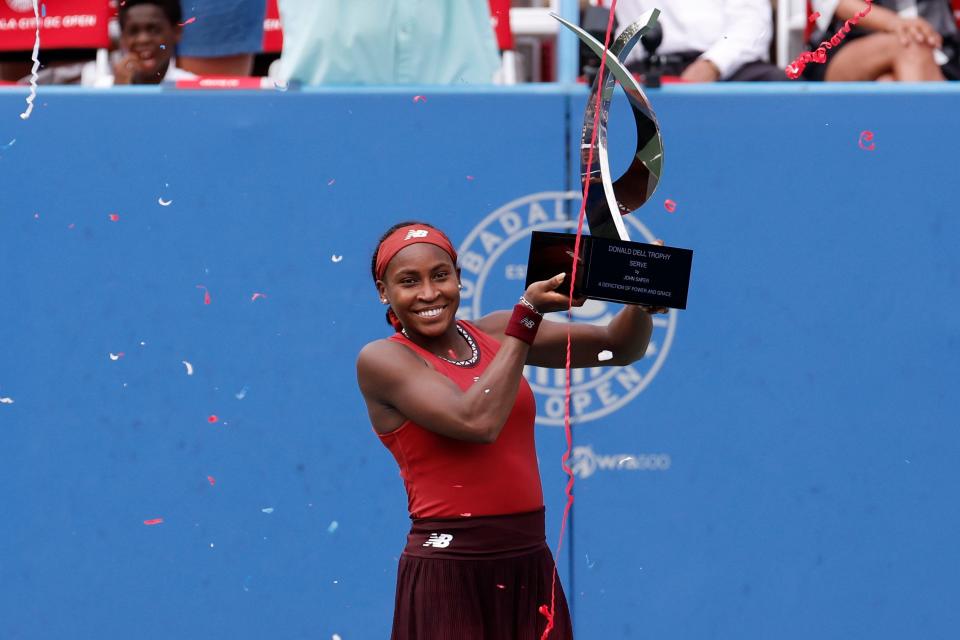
493, 259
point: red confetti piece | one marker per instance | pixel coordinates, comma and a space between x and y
257, 295
188, 21
211, 480
114, 217
419, 98
153, 521
213, 418
866, 136
206, 294
501, 586
670, 205
469, 177
819, 55
813, 17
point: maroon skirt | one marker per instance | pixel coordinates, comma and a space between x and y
482, 578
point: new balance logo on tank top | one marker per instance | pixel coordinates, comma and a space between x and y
448, 478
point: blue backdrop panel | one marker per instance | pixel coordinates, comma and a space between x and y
280, 194
788, 471
779, 465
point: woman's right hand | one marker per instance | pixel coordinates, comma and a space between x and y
546, 299
916, 30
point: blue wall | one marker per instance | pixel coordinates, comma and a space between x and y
781, 465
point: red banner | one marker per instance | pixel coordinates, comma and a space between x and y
64, 24
227, 82
272, 31
500, 17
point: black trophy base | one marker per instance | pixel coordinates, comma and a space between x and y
613, 270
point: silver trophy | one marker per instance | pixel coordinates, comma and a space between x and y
611, 267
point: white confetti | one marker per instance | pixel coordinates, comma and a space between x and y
336, 636
620, 463
336, 258
36, 65
6, 400
605, 355
267, 510
9, 144
333, 526
240, 395
116, 356
164, 203
188, 366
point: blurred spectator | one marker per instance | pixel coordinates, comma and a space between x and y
904, 40
149, 32
223, 38
707, 40
387, 42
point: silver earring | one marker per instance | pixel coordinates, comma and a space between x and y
383, 301
459, 286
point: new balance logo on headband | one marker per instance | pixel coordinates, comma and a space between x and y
416, 233
439, 540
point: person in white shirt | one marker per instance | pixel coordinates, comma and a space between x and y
707, 40
149, 33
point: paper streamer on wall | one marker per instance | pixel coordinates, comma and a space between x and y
36, 65
548, 612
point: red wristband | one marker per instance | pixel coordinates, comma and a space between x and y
523, 324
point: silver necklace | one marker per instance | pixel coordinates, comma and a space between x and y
474, 352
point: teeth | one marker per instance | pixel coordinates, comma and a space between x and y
429, 313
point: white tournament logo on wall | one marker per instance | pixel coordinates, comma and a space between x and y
20, 5
493, 260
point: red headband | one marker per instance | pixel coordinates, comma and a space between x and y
404, 237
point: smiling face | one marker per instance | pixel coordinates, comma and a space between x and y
149, 35
420, 284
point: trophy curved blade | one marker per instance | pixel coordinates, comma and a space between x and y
632, 189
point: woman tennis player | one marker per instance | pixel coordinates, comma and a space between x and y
449, 401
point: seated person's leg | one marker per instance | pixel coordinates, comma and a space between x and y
878, 54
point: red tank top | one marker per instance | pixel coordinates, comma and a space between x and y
448, 478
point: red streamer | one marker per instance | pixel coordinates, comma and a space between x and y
206, 294
866, 136
152, 522
187, 21
548, 612
212, 419
669, 205
819, 55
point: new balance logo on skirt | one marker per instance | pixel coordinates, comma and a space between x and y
439, 540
